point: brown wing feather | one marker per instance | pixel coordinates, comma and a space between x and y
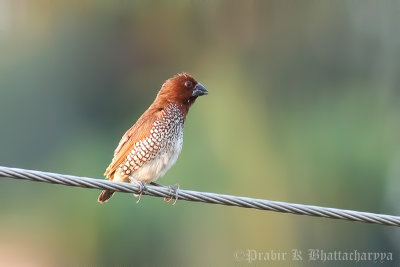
140, 130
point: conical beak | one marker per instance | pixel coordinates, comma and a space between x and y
199, 90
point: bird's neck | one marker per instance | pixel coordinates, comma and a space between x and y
168, 106
172, 110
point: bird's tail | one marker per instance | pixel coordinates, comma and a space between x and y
105, 195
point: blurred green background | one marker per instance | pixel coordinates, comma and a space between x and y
303, 107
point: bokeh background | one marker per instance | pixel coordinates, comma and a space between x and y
303, 107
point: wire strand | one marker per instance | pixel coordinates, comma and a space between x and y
205, 197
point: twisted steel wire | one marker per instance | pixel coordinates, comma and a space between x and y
204, 197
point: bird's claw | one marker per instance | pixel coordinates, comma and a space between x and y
142, 188
172, 190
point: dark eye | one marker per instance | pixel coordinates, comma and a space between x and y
188, 84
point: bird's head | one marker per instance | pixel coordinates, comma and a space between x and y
182, 89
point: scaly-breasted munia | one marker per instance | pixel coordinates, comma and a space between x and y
152, 145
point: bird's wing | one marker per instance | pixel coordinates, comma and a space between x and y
140, 130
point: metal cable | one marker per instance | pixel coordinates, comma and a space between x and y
204, 197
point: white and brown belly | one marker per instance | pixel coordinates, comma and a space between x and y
152, 157
163, 161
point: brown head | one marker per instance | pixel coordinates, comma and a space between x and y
182, 90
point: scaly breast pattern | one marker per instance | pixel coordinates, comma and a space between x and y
152, 156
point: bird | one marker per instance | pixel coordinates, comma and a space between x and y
152, 145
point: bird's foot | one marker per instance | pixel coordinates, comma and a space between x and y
172, 190
142, 188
